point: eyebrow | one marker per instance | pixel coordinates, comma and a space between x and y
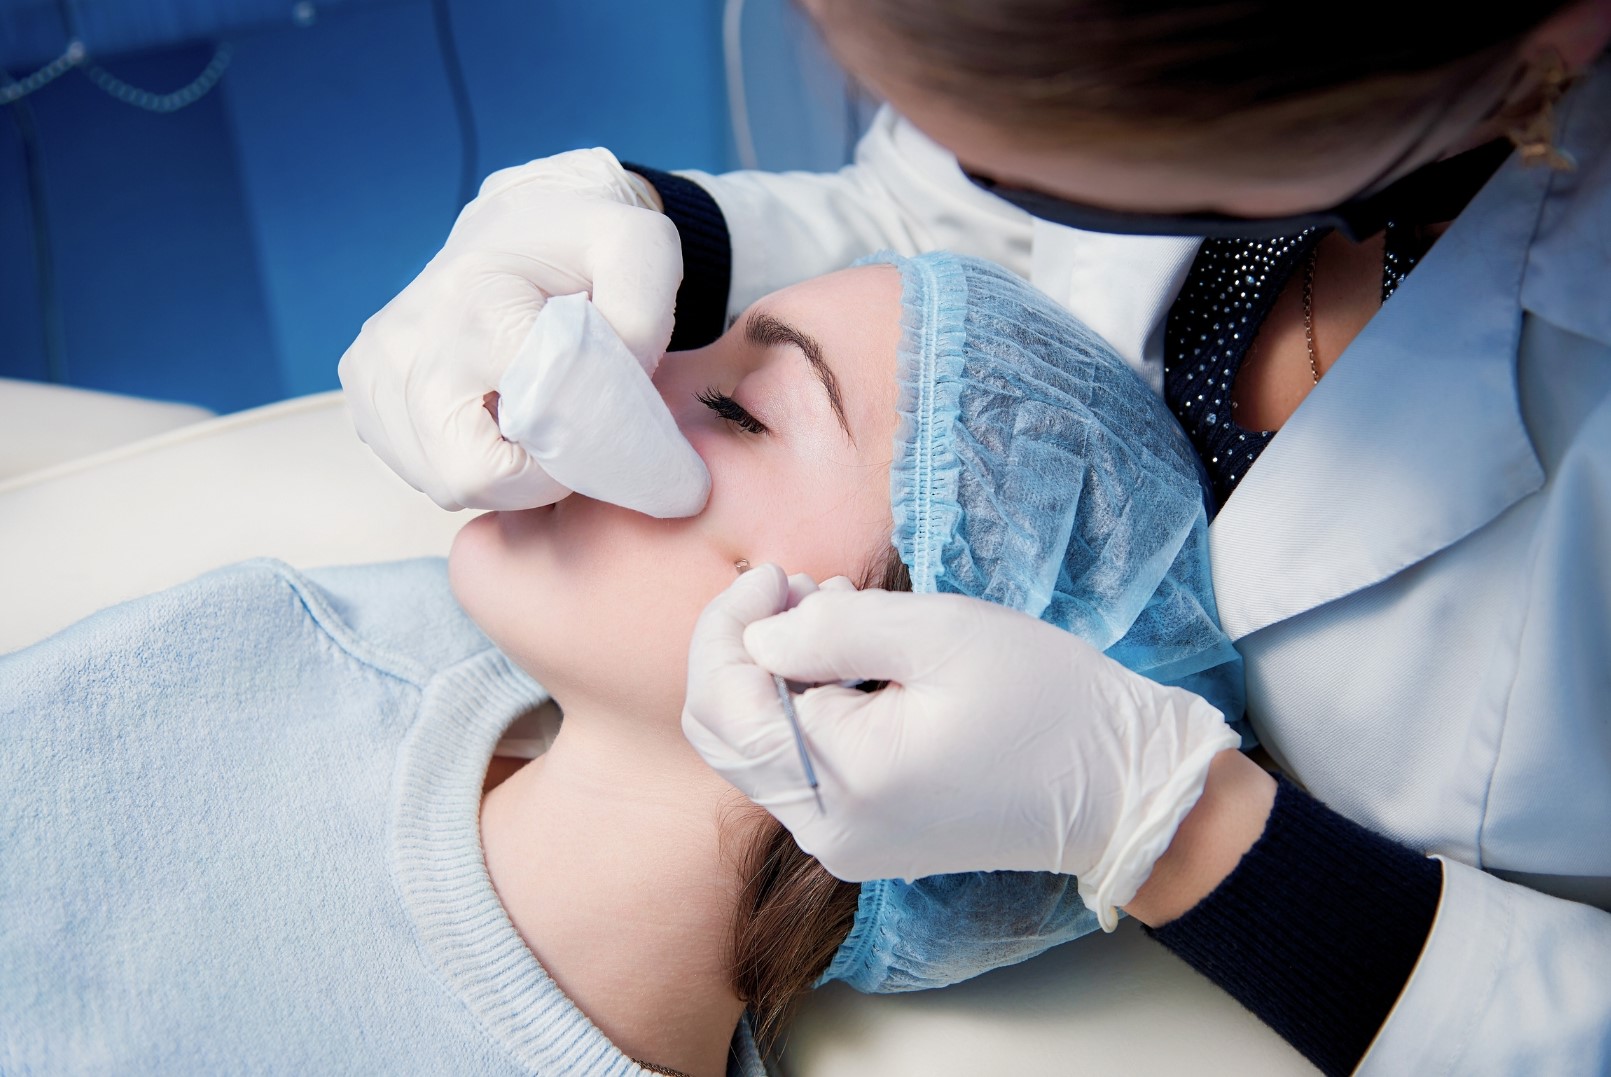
764, 330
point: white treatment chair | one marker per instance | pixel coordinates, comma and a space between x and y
292, 481
42, 425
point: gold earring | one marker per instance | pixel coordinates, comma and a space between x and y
1534, 136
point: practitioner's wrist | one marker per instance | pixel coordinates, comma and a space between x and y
645, 190
707, 254
1223, 825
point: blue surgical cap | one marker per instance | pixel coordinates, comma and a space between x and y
1034, 469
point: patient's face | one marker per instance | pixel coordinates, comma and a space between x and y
596, 599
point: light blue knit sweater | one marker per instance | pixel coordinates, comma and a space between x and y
239, 834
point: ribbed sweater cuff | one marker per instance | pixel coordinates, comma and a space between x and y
707, 257
1317, 929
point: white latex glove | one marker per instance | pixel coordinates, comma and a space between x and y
1001, 742
418, 375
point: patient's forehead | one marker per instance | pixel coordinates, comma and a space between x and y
855, 315
874, 285
853, 312
879, 283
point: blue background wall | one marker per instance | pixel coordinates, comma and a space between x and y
227, 253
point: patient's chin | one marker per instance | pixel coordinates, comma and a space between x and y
591, 600
531, 595
476, 562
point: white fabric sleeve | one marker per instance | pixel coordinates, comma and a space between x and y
903, 192
1511, 981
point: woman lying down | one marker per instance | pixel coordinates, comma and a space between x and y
243, 826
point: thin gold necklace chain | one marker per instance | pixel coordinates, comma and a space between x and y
1309, 310
1308, 315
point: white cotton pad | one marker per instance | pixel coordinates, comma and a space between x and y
585, 410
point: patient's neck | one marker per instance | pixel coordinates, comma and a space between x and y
614, 856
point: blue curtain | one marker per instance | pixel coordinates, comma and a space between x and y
226, 252
33, 32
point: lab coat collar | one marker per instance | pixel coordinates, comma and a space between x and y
1415, 438
1566, 272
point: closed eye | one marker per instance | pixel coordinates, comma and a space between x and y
731, 410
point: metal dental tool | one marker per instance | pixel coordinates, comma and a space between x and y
786, 698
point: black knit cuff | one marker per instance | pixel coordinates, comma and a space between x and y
707, 257
1316, 930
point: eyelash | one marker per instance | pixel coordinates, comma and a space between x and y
731, 410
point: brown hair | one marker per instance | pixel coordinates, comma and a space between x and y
792, 915
1174, 72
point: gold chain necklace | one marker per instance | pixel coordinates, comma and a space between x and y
1309, 310
1308, 317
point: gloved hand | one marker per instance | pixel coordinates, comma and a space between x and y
1000, 743
418, 376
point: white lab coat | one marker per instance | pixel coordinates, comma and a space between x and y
1417, 571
